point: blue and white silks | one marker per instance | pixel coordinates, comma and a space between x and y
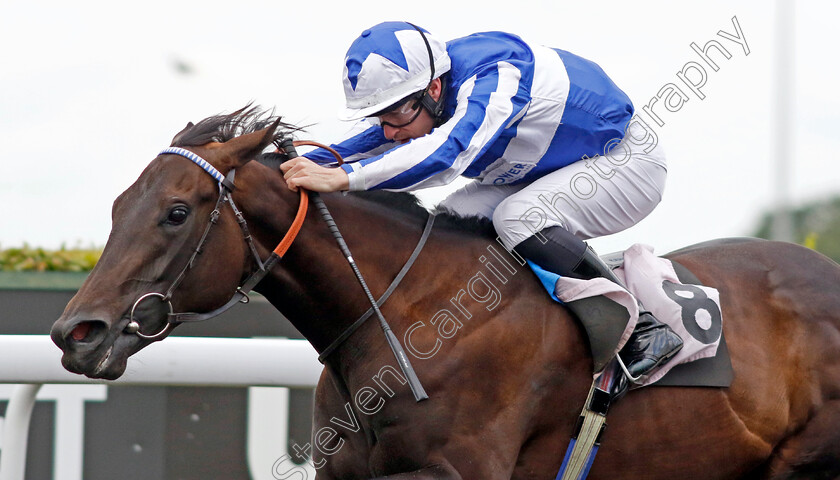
515, 112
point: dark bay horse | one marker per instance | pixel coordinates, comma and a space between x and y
506, 368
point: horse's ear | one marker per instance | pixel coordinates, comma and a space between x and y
242, 149
178, 136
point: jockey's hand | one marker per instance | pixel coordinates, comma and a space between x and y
302, 172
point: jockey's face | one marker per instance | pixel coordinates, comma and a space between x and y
395, 128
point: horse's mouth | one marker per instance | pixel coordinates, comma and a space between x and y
102, 363
105, 362
110, 366
97, 345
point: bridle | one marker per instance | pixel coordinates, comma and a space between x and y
226, 188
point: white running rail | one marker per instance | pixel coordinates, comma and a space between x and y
33, 360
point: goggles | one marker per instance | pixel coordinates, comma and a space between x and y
401, 115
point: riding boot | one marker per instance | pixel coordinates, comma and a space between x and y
557, 250
652, 342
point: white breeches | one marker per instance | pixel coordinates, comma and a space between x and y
590, 198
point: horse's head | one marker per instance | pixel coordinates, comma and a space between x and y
149, 267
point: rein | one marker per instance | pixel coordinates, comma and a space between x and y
226, 188
394, 284
288, 147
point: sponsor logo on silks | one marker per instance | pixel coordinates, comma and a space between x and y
513, 173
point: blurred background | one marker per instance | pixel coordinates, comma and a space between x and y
91, 91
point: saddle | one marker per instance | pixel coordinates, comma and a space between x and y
673, 293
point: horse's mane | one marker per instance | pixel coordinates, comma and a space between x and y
410, 204
223, 127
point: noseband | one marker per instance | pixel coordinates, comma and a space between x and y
226, 187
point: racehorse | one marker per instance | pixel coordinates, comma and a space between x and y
506, 368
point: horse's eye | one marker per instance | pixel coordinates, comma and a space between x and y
177, 215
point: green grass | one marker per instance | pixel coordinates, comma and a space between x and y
36, 259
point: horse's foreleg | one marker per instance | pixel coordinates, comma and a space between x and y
433, 472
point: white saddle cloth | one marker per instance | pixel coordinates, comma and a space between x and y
692, 311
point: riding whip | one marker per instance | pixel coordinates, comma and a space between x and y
405, 365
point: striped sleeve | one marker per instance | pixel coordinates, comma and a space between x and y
363, 140
486, 104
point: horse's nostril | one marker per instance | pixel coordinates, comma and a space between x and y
81, 331
87, 331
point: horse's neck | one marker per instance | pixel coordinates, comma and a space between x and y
313, 286
460, 284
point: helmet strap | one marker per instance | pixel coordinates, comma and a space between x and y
434, 107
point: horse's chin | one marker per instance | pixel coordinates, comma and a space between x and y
112, 373
106, 362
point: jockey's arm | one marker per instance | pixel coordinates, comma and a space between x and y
485, 106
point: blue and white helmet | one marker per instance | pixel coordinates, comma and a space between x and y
387, 63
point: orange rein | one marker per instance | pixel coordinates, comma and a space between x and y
297, 223
284, 244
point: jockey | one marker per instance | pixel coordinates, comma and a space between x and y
538, 129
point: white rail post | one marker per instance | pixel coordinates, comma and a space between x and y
16, 431
230, 362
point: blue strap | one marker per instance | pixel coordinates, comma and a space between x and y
565, 463
547, 279
587, 466
197, 160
